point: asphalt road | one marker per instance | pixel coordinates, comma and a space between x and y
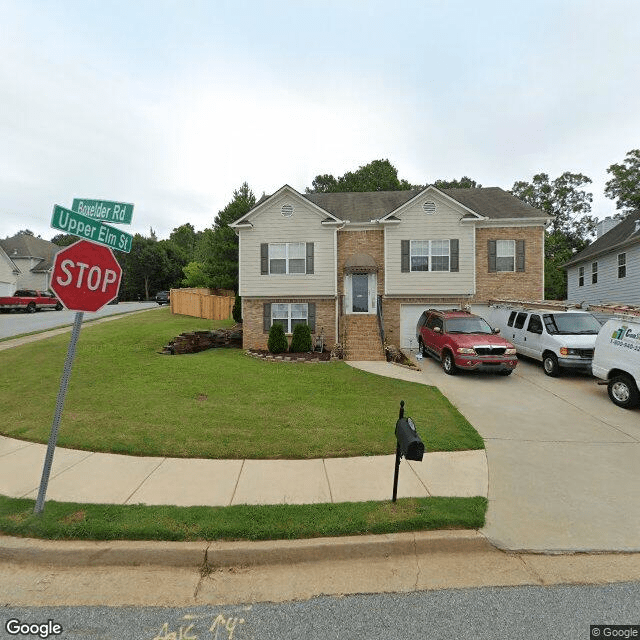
563, 612
15, 324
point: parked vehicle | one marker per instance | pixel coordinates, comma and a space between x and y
617, 360
162, 297
463, 341
30, 301
559, 339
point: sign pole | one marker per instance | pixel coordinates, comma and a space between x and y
62, 393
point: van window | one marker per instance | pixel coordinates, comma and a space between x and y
571, 323
535, 324
512, 317
521, 317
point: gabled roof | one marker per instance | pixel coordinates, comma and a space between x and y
494, 203
623, 234
24, 245
12, 265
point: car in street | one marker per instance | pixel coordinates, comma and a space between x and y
463, 341
162, 297
30, 301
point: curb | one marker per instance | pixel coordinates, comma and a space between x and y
233, 554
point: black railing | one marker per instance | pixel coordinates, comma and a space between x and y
380, 319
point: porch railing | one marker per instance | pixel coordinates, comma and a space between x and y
380, 319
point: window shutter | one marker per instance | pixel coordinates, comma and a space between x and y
404, 256
264, 260
454, 252
519, 255
311, 316
266, 317
309, 257
491, 250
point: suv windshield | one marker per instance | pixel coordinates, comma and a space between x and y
473, 324
571, 323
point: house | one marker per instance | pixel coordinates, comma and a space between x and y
26, 262
359, 266
608, 270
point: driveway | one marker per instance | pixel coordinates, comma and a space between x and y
564, 461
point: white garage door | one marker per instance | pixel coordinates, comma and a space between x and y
409, 315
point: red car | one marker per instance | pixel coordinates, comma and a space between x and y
463, 341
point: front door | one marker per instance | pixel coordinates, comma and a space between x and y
360, 293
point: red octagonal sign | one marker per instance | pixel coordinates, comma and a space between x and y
86, 276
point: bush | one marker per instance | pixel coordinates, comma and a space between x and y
237, 309
301, 340
277, 342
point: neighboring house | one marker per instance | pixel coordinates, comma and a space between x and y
32, 260
608, 270
8, 274
350, 263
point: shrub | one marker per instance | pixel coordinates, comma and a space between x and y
237, 309
301, 340
277, 342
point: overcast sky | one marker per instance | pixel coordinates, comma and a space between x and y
172, 105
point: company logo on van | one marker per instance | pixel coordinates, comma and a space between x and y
625, 332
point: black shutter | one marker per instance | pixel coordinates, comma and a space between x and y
264, 259
311, 316
519, 255
309, 257
405, 265
491, 250
454, 251
266, 317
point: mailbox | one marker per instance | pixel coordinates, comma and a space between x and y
409, 442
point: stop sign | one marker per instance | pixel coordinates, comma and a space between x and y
86, 276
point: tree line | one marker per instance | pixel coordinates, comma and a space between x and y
209, 258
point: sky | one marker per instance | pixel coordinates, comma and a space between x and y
172, 105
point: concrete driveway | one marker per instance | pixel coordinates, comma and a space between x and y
564, 461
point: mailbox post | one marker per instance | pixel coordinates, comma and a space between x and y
408, 444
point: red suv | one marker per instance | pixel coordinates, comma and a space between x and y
464, 341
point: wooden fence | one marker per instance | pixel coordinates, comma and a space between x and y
213, 304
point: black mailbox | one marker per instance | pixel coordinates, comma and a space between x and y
409, 442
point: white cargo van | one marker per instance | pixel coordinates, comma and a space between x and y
617, 360
560, 339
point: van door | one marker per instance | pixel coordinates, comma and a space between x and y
516, 330
533, 337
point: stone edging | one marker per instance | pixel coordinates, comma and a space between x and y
286, 358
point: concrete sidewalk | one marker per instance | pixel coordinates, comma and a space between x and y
83, 476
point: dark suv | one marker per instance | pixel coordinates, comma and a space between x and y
463, 341
162, 297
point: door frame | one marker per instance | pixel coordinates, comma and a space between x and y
372, 292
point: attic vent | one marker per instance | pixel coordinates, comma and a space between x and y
429, 207
287, 210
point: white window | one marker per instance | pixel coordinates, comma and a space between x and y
594, 273
622, 265
505, 255
430, 255
581, 276
287, 257
289, 315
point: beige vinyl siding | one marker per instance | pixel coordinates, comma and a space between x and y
415, 224
270, 226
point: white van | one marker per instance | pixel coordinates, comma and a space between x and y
617, 360
559, 339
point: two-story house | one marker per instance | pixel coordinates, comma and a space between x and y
356, 265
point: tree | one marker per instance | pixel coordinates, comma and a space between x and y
185, 238
571, 228
463, 183
64, 239
194, 275
378, 175
624, 186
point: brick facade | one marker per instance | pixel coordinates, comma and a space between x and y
526, 285
351, 243
253, 336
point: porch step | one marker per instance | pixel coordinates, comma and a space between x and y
362, 338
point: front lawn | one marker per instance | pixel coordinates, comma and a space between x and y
126, 398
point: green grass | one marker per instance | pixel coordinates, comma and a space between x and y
62, 521
125, 397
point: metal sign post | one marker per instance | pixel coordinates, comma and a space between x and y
64, 384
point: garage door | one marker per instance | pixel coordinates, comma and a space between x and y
409, 315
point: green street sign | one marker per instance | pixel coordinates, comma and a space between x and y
79, 225
118, 212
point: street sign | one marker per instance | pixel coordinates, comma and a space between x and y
86, 276
80, 225
118, 212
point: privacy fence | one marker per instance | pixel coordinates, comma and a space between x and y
212, 304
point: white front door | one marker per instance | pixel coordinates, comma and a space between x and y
360, 290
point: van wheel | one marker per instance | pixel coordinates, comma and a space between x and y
623, 391
550, 364
448, 365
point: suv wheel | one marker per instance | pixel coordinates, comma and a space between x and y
422, 348
550, 364
623, 391
448, 365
